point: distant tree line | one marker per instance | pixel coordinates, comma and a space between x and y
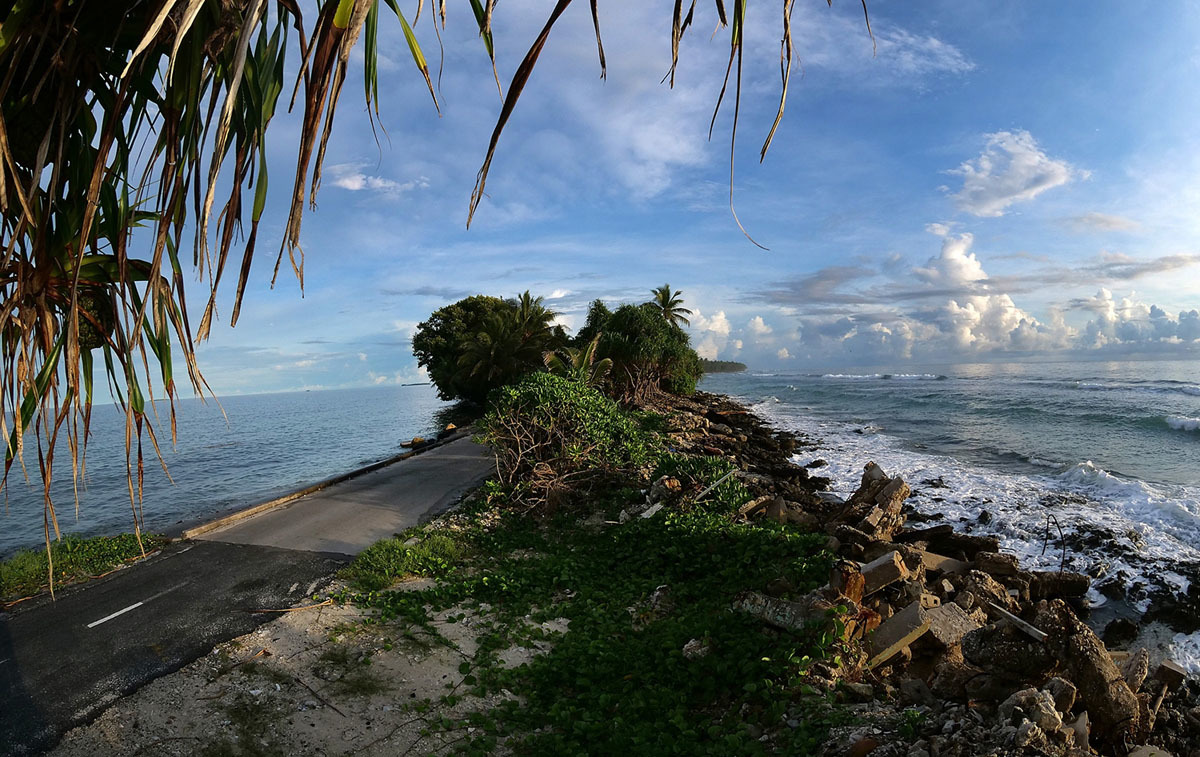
480, 343
721, 366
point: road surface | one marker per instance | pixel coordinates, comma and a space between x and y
62, 662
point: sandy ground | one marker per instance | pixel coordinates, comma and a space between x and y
316, 681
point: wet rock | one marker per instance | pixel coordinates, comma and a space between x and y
818, 463
1119, 633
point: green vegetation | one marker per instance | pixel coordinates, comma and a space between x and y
721, 366
617, 679
670, 304
549, 433
75, 558
649, 354
480, 343
579, 363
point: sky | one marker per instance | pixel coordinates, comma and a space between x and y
984, 182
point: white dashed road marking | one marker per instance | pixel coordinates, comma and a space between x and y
136, 605
107, 618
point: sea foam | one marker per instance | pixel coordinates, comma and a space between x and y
1183, 423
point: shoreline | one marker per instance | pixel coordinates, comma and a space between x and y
943, 686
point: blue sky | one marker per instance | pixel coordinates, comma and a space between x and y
999, 181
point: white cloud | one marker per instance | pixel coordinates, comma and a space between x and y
558, 294
783, 353
956, 266
758, 326
350, 176
1101, 222
1012, 168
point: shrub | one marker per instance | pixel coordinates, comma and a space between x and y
550, 432
648, 353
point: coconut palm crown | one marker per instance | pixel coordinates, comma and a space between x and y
671, 305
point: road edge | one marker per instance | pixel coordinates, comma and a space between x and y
263, 507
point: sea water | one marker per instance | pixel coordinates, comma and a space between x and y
1107, 452
230, 454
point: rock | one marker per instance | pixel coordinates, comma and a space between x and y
791, 616
967, 545
910, 535
916, 692
863, 747
1119, 632
883, 571
986, 589
1136, 668
860, 692
1030, 736
997, 564
1149, 751
1063, 692
818, 463
1033, 705
1056, 585
755, 505
1110, 702
696, 649
1004, 650
1082, 728
800, 518
876, 506
663, 488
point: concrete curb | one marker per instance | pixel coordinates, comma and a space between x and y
263, 507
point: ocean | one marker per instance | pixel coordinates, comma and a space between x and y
1107, 452
261, 447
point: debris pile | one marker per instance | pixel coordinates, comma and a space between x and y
994, 656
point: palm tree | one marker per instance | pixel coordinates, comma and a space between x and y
671, 305
578, 364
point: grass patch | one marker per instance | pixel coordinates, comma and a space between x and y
380, 564
617, 681
75, 559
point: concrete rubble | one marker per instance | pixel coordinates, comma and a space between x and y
942, 630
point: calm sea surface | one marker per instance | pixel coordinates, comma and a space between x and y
262, 447
1108, 451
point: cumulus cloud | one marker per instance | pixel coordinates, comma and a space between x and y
956, 266
758, 326
1012, 168
783, 353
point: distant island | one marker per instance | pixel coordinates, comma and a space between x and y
721, 366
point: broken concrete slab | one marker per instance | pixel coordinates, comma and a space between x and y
883, 571
946, 565
1058, 585
997, 563
899, 631
948, 624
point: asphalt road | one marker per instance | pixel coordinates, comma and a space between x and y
63, 661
